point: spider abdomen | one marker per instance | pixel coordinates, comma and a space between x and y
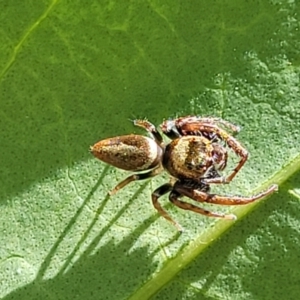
129, 152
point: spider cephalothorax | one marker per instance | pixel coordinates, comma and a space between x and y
193, 158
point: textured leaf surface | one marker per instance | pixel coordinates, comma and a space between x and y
72, 73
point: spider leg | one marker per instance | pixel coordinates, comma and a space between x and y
151, 129
233, 144
174, 195
190, 125
135, 177
214, 120
200, 196
164, 189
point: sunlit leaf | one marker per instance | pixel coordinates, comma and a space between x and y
72, 73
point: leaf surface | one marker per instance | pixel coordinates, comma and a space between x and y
74, 73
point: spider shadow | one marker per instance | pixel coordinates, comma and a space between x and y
99, 270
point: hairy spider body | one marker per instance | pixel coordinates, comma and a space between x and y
209, 128
129, 152
193, 158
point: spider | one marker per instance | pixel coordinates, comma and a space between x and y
208, 128
193, 158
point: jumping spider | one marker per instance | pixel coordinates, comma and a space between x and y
192, 158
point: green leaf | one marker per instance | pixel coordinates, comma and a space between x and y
74, 73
